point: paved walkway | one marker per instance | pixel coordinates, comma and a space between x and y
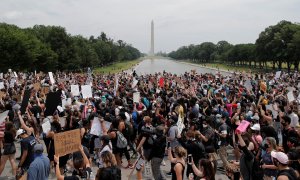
7, 174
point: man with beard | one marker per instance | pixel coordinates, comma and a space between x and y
281, 160
287, 132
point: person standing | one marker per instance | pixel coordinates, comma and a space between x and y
9, 148
27, 156
281, 161
39, 169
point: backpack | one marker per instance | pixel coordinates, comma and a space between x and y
121, 140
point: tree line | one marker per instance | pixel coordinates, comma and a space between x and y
275, 45
51, 48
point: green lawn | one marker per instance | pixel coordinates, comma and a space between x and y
117, 67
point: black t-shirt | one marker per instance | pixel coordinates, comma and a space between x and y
28, 144
8, 137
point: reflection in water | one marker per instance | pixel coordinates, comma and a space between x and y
151, 66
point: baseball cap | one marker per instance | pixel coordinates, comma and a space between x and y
20, 132
255, 127
38, 148
280, 156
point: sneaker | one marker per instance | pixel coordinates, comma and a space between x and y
169, 174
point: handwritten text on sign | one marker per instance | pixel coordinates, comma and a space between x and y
67, 142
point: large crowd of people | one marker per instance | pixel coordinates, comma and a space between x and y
194, 119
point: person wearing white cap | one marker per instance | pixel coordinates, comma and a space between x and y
256, 137
27, 156
281, 161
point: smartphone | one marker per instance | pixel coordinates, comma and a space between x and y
168, 144
190, 159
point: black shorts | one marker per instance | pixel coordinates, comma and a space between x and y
9, 149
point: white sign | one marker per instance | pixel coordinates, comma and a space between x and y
3, 116
136, 97
134, 83
2, 85
248, 85
15, 74
66, 102
86, 91
290, 96
51, 78
96, 128
46, 127
180, 125
277, 75
75, 90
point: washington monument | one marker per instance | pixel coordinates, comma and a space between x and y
152, 39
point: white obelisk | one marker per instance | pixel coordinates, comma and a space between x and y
152, 39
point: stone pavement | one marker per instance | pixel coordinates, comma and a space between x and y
7, 174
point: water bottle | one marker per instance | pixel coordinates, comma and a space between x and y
191, 176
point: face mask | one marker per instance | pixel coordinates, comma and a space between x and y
204, 125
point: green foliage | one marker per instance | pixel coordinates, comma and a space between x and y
50, 48
278, 45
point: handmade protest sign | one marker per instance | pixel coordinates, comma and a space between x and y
277, 75
67, 142
136, 97
51, 78
25, 101
180, 125
134, 83
3, 116
37, 86
161, 82
243, 126
86, 91
96, 128
46, 127
52, 101
75, 90
66, 102
2, 85
290, 96
15, 74
263, 86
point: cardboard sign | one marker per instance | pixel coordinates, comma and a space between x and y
46, 127
2, 85
243, 126
86, 91
263, 87
37, 86
180, 125
51, 78
75, 90
3, 116
136, 97
25, 101
2, 94
45, 90
67, 142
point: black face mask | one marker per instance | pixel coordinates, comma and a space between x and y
266, 146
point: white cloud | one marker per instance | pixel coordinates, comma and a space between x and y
177, 22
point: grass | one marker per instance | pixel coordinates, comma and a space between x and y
117, 67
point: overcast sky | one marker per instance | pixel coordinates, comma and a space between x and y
177, 22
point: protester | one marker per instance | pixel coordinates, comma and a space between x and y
178, 161
39, 169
